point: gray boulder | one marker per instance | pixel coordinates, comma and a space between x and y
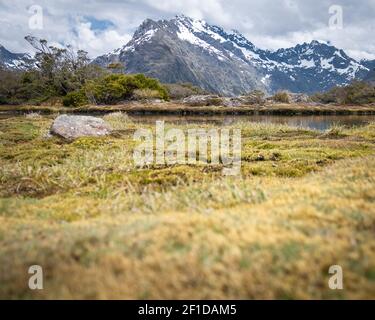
299, 98
255, 97
250, 99
203, 100
72, 127
232, 102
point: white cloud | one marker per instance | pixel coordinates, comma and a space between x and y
97, 43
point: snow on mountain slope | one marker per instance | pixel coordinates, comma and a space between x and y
308, 67
188, 50
11, 60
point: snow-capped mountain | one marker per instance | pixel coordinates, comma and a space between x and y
370, 76
188, 50
312, 67
11, 60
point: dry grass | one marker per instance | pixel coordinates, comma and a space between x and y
118, 120
180, 109
33, 115
102, 229
144, 94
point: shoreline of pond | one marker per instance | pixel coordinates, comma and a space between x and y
183, 110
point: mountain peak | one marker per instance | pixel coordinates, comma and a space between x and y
145, 26
3, 49
316, 43
192, 50
189, 20
12, 60
182, 17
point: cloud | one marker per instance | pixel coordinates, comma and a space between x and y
101, 26
97, 42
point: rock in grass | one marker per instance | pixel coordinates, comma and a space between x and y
203, 100
72, 127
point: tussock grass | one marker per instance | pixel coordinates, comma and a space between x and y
177, 108
336, 131
118, 120
103, 229
33, 115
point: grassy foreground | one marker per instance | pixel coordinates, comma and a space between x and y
100, 228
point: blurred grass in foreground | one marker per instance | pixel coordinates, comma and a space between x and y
102, 229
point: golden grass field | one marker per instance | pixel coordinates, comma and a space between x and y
101, 228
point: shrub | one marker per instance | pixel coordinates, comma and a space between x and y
115, 88
282, 97
144, 94
183, 90
255, 97
3, 100
357, 92
75, 99
335, 130
118, 120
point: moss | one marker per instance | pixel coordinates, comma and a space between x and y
84, 211
23, 131
89, 143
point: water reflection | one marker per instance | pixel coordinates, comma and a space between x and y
322, 123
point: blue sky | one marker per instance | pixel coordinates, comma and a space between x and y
99, 26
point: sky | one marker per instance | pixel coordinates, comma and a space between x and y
100, 26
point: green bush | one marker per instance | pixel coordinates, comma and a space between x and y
183, 90
75, 99
115, 88
357, 93
282, 97
3, 100
144, 94
255, 97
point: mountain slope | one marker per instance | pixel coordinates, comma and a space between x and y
370, 76
187, 50
312, 67
11, 60
177, 51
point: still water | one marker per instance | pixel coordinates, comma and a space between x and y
315, 122
321, 122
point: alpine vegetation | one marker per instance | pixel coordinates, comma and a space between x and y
211, 147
